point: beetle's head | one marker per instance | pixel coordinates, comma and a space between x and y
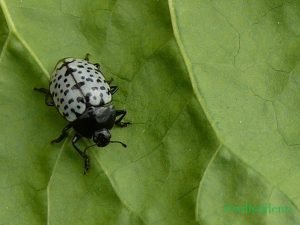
105, 117
101, 137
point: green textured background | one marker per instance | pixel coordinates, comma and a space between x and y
212, 89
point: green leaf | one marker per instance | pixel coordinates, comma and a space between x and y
243, 62
212, 92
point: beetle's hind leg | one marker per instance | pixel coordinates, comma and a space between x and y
110, 81
87, 57
42, 90
113, 89
48, 97
97, 66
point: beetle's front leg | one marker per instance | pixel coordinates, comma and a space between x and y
83, 154
118, 122
63, 134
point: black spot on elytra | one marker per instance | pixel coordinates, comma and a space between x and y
66, 92
102, 88
77, 85
66, 107
78, 106
80, 99
61, 91
55, 86
89, 68
80, 66
80, 72
95, 88
61, 100
59, 77
67, 85
89, 79
82, 77
76, 113
87, 96
66, 114
65, 80
99, 80
71, 100
91, 75
58, 86
94, 97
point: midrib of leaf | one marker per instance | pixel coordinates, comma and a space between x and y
13, 30
199, 98
4, 47
188, 65
201, 101
204, 174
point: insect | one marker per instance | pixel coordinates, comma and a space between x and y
80, 93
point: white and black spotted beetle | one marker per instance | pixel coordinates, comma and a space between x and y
81, 94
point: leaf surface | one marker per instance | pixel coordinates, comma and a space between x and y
243, 62
206, 88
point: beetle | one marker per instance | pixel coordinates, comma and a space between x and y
79, 91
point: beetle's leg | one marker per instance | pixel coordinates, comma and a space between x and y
83, 154
110, 81
118, 122
63, 134
48, 100
87, 56
113, 89
97, 65
42, 90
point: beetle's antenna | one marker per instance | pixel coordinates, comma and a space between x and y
119, 143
